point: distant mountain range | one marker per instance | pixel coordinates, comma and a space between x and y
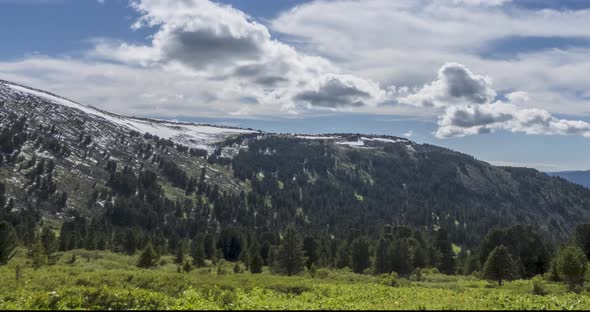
578, 177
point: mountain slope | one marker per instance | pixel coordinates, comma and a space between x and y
578, 177
61, 160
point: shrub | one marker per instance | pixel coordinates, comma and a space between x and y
390, 279
538, 286
238, 268
187, 267
322, 273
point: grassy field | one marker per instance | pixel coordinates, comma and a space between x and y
104, 280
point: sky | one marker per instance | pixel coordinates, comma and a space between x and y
503, 80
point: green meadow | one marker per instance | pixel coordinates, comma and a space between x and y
105, 280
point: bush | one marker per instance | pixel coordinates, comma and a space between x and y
322, 273
238, 268
538, 286
416, 275
390, 279
187, 267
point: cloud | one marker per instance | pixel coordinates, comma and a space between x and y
218, 42
334, 91
456, 84
467, 106
412, 37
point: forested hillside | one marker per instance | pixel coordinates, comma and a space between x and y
98, 182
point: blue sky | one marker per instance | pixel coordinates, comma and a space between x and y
517, 93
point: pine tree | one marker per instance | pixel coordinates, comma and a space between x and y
571, 265
382, 257
290, 257
359, 259
310, 247
420, 259
343, 256
48, 240
198, 251
180, 252
401, 257
8, 242
445, 248
38, 254
148, 257
255, 258
499, 266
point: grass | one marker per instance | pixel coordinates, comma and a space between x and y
105, 280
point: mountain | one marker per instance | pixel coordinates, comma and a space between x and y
100, 174
578, 177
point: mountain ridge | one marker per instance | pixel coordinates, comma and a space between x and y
219, 176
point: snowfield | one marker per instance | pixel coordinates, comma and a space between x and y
202, 136
190, 134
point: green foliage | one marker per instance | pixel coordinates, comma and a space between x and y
360, 257
390, 279
187, 267
256, 260
290, 258
571, 265
538, 286
37, 254
322, 273
198, 251
148, 257
238, 268
343, 256
111, 281
499, 266
8, 242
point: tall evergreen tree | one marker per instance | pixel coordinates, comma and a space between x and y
571, 265
360, 257
48, 240
180, 249
198, 251
401, 257
310, 247
343, 256
255, 259
8, 242
38, 254
445, 248
582, 238
148, 257
499, 266
383, 256
290, 258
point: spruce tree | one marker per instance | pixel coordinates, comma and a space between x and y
445, 248
48, 240
290, 257
255, 259
180, 252
401, 257
37, 254
499, 266
343, 256
571, 265
382, 257
359, 259
148, 257
8, 242
198, 251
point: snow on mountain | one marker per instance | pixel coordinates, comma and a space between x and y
190, 134
203, 136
